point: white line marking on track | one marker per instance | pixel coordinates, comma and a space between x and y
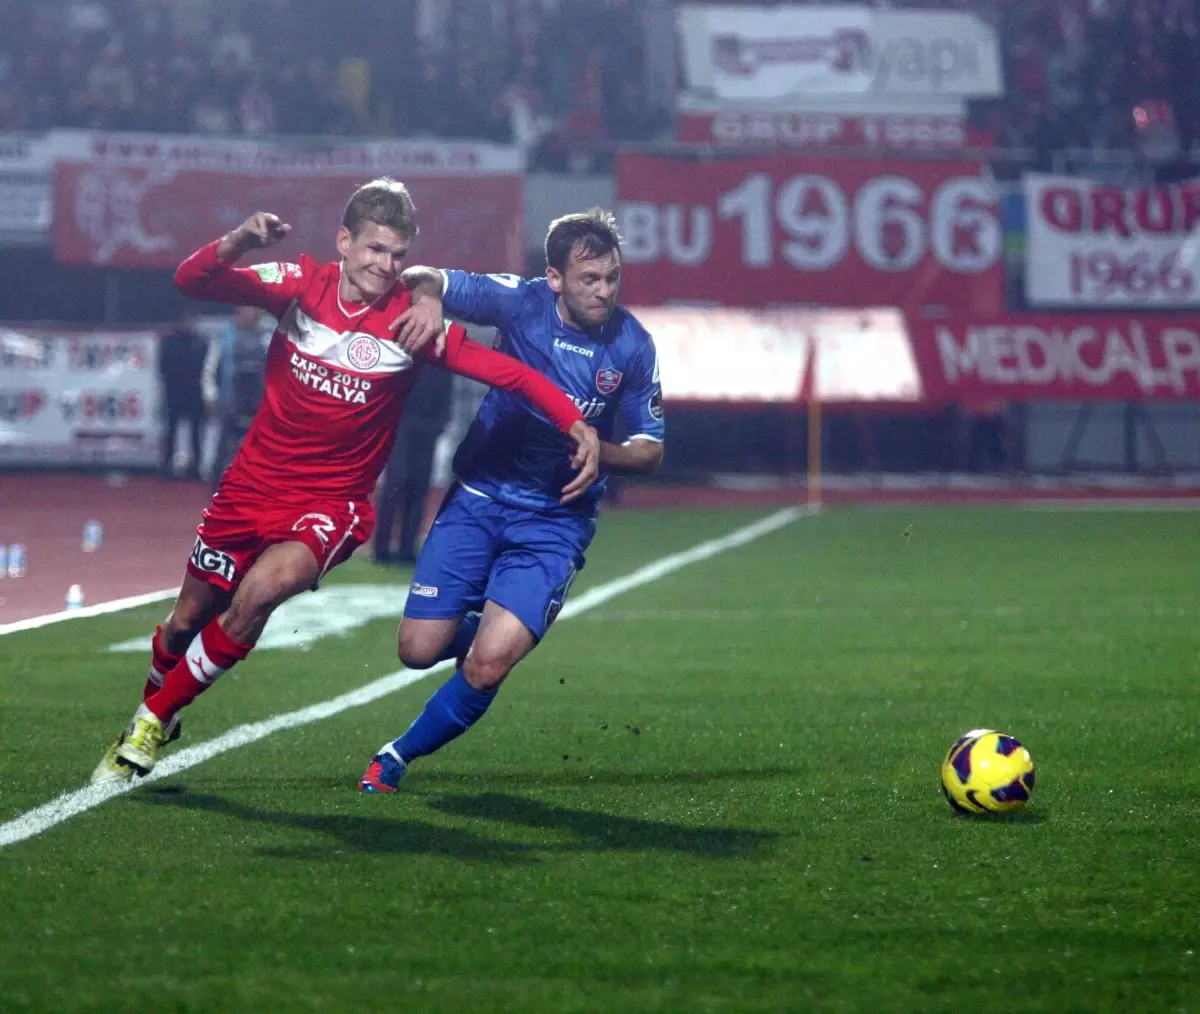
70, 804
99, 609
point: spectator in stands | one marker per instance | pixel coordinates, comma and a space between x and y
405, 483
256, 108
180, 364
566, 71
234, 379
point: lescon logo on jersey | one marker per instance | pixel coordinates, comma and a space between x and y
608, 380
363, 353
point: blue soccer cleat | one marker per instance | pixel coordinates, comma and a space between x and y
384, 772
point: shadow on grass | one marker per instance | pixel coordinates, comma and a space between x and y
434, 779
403, 835
1017, 817
602, 831
381, 835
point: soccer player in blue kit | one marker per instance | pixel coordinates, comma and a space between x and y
511, 534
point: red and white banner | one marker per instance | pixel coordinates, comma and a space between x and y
79, 398
148, 201
1098, 246
795, 130
816, 230
875, 355
1120, 357
800, 51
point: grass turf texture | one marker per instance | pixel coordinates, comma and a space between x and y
716, 793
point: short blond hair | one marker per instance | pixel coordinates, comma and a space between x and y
384, 201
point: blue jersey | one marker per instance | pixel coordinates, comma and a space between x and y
512, 453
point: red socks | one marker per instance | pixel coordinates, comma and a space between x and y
210, 655
161, 663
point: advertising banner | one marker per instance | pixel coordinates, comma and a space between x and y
822, 230
1068, 357
147, 201
806, 129
1098, 246
740, 53
26, 204
85, 398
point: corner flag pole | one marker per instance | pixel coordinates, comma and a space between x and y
814, 429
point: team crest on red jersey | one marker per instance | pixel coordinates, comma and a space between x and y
607, 380
363, 352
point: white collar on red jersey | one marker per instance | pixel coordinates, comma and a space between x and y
366, 307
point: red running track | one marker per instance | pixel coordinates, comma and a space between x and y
149, 523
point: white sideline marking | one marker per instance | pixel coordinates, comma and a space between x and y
36, 821
99, 609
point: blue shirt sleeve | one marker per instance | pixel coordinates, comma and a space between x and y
641, 399
493, 300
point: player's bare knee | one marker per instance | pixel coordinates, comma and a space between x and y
486, 671
180, 627
415, 650
187, 618
254, 603
413, 657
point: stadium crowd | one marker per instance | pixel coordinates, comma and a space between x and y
566, 79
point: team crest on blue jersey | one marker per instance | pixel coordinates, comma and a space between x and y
608, 380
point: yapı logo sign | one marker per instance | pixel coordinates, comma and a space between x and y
806, 53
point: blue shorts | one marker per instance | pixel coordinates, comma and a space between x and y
479, 549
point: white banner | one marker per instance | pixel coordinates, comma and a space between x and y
26, 202
797, 52
860, 355
282, 157
1094, 245
86, 398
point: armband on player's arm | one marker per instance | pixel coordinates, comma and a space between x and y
470, 359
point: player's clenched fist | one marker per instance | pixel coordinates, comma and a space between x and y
259, 231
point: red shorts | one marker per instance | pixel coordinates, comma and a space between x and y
236, 531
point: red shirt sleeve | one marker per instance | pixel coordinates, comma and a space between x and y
470, 359
271, 287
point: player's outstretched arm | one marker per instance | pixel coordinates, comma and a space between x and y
490, 300
483, 364
209, 274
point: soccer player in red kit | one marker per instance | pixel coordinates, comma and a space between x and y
295, 500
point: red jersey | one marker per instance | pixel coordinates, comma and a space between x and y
336, 379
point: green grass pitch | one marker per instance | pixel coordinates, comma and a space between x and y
717, 792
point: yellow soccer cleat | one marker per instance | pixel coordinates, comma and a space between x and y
142, 740
110, 769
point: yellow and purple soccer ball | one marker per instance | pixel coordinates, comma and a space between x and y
987, 772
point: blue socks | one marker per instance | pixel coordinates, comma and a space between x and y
460, 643
450, 712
